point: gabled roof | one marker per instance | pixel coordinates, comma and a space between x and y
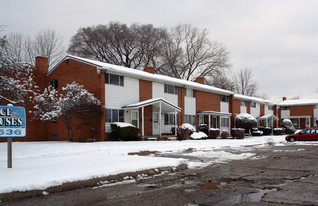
297, 102
151, 102
120, 70
254, 99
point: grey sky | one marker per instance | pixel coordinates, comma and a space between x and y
276, 39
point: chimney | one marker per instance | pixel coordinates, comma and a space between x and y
284, 98
200, 80
149, 69
42, 64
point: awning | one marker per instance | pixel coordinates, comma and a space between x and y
167, 106
265, 117
297, 117
214, 113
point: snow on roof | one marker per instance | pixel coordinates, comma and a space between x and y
295, 102
255, 99
145, 75
151, 102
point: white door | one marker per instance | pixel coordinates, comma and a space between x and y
134, 118
155, 123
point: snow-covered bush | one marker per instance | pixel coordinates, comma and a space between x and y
214, 133
203, 128
256, 132
225, 134
238, 133
279, 131
199, 135
124, 132
245, 121
184, 131
288, 125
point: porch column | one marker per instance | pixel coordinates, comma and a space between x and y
159, 119
209, 121
229, 124
143, 121
272, 124
175, 122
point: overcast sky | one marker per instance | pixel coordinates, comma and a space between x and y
276, 39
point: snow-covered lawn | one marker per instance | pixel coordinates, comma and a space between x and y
39, 165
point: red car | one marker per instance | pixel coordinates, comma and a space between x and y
310, 134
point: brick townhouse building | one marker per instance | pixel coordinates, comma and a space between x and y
302, 112
154, 103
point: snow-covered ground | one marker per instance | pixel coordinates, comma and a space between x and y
39, 165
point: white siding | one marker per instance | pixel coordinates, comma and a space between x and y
285, 114
256, 111
158, 92
267, 111
224, 107
243, 109
118, 96
189, 106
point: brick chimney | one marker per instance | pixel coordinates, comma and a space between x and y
200, 80
284, 98
149, 69
42, 68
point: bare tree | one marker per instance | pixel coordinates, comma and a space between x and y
244, 83
222, 81
134, 46
188, 52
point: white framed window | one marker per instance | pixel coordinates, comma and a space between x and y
284, 108
114, 79
114, 115
53, 84
243, 103
170, 89
225, 122
270, 107
191, 119
169, 119
253, 104
189, 92
224, 98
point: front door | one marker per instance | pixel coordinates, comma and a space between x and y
155, 123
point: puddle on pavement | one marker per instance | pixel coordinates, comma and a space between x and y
251, 197
210, 186
149, 186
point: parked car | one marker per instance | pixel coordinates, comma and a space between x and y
310, 134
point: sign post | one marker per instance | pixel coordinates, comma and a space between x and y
12, 124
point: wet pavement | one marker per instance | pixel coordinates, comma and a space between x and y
275, 175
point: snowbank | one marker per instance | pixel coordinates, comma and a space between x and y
199, 135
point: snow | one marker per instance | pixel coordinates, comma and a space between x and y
255, 99
199, 135
39, 165
187, 126
245, 116
294, 102
145, 75
123, 124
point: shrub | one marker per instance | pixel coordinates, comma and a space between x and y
279, 131
256, 132
183, 133
213, 133
267, 131
203, 128
225, 134
238, 133
124, 132
289, 127
245, 121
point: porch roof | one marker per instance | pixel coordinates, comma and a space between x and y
214, 113
301, 116
267, 117
148, 102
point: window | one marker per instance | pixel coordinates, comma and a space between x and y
253, 104
169, 119
314, 131
171, 89
307, 131
190, 119
114, 115
53, 84
270, 107
114, 79
285, 108
189, 92
225, 122
224, 98
243, 103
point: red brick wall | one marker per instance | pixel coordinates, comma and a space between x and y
145, 92
181, 105
86, 75
303, 110
206, 101
248, 107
